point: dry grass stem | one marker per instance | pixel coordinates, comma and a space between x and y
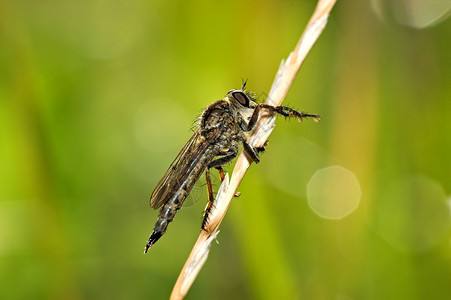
282, 82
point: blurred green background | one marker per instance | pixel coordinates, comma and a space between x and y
97, 97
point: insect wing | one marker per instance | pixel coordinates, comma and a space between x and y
162, 189
179, 170
199, 191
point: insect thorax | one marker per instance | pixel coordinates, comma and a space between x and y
224, 119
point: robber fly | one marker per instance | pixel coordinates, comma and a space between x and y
221, 129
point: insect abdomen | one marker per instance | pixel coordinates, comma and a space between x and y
168, 211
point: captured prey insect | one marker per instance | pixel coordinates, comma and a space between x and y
221, 129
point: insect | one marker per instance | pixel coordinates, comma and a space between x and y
221, 129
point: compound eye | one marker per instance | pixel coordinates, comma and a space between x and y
241, 98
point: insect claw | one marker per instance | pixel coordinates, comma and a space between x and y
237, 194
317, 119
154, 237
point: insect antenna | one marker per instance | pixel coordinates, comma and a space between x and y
243, 84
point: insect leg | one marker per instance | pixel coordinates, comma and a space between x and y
283, 110
253, 152
230, 154
222, 176
289, 112
219, 168
253, 119
221, 173
210, 198
209, 187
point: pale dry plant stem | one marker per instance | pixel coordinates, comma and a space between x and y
257, 138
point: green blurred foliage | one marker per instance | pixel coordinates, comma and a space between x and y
97, 97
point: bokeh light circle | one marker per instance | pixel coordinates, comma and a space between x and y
413, 13
333, 192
